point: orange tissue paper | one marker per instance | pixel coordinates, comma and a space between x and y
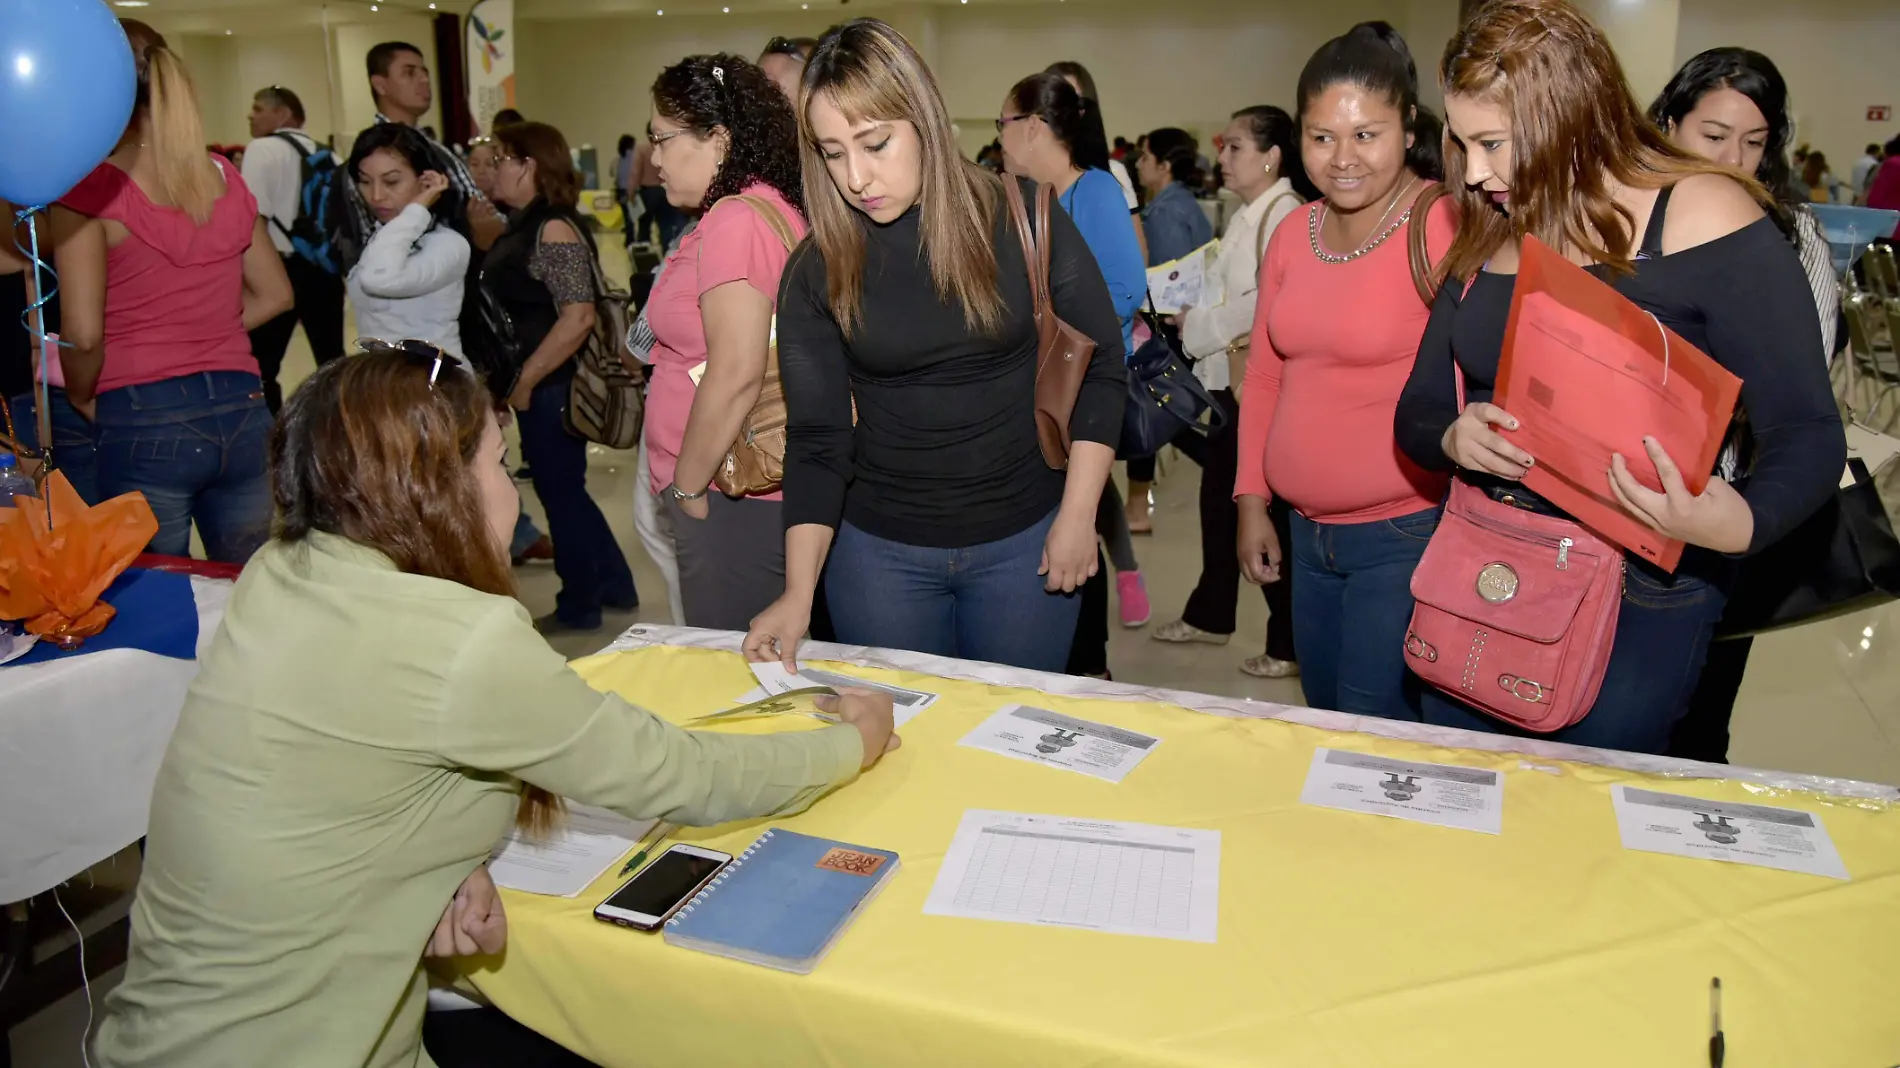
51, 575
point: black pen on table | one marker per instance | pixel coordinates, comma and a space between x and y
1718, 1048
660, 831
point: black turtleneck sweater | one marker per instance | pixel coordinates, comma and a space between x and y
944, 452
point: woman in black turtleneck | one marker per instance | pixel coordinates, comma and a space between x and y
911, 303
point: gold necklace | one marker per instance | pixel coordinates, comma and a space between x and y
1319, 217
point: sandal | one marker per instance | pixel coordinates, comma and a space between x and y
1266, 667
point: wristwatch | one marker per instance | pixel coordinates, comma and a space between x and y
678, 494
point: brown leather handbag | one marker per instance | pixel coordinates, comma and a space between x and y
1062, 351
755, 465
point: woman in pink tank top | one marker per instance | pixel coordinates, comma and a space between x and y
1336, 331
163, 265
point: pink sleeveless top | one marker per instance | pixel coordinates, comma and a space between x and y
174, 289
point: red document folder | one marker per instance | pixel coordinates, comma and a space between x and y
1587, 373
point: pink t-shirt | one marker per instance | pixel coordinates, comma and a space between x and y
732, 243
174, 289
1332, 346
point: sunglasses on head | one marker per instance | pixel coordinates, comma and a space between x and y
417, 352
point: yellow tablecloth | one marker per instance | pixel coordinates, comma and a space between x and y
1345, 940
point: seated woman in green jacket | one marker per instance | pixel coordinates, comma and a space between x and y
374, 713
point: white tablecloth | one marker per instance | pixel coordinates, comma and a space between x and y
80, 743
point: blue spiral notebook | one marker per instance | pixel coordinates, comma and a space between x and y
784, 901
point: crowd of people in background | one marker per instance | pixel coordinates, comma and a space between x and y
812, 239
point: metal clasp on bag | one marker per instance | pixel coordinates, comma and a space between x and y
1418, 647
1563, 554
1524, 689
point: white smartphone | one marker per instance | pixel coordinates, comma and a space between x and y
653, 895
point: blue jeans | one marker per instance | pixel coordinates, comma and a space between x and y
74, 452
196, 447
593, 571
1352, 600
1663, 627
984, 602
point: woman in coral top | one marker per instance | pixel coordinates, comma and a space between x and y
163, 265
1336, 329
721, 130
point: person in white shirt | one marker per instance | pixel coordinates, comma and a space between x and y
273, 169
1864, 169
408, 283
1260, 164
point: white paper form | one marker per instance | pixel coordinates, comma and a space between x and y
588, 843
1044, 737
1444, 794
1189, 282
1784, 838
1101, 875
773, 678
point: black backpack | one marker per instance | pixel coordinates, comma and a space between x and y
319, 206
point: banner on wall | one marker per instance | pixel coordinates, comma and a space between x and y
489, 47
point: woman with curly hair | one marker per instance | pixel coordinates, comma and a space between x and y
726, 143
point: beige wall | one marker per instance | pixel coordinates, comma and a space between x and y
1186, 63
1838, 56
1190, 63
332, 84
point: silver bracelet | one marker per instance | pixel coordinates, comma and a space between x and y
678, 494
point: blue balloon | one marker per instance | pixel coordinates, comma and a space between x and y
67, 85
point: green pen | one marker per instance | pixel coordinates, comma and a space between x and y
655, 837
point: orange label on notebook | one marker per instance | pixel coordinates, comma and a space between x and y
851, 862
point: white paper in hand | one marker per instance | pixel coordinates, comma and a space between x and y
773, 679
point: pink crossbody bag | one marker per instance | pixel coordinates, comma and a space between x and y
1516, 611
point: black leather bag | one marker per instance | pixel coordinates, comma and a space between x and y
1843, 559
1164, 398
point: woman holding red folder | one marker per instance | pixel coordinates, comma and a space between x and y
1548, 141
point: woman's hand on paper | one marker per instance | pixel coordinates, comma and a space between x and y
776, 632
1717, 519
1259, 544
871, 713
1473, 445
474, 922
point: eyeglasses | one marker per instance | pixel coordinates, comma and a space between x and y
656, 140
1007, 119
785, 46
417, 352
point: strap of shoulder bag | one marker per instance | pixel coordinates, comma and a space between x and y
774, 218
1415, 247
1036, 258
1260, 231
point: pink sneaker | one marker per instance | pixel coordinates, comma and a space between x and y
1133, 594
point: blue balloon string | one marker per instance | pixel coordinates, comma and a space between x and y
43, 398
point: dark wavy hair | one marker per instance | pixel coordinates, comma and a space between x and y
1375, 58
1272, 127
1177, 150
723, 91
1754, 76
415, 150
1053, 100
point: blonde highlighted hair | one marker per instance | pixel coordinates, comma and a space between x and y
868, 71
1576, 132
187, 178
